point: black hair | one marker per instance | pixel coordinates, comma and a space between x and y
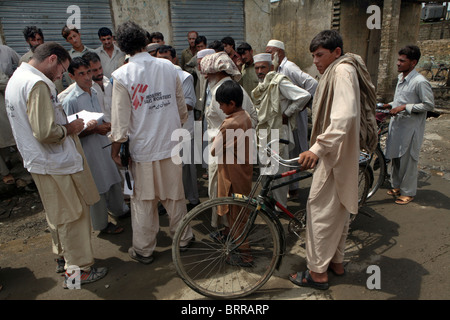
230, 41
216, 45
66, 31
104, 32
327, 39
230, 91
46, 49
244, 46
31, 32
76, 63
91, 56
412, 52
131, 38
201, 39
157, 35
165, 48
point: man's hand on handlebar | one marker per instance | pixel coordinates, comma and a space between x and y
308, 160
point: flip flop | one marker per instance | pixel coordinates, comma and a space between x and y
309, 281
9, 179
403, 201
393, 192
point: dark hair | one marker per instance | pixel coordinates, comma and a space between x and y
31, 32
164, 49
201, 39
76, 63
46, 49
91, 56
327, 39
412, 52
230, 91
131, 38
157, 35
104, 32
230, 41
66, 31
216, 45
244, 46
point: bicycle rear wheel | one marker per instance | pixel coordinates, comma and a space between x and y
365, 181
212, 265
379, 170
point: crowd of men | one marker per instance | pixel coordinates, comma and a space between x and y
145, 93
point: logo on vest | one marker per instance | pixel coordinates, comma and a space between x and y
138, 97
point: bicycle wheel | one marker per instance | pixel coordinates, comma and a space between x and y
365, 180
378, 165
212, 265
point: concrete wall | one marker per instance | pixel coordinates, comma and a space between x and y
295, 23
257, 24
434, 30
150, 15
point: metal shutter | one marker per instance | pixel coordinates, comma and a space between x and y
51, 16
214, 19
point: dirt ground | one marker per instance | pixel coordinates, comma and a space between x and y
410, 243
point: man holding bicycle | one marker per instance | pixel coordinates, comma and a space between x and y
413, 98
343, 121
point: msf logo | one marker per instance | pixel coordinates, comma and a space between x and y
137, 97
73, 281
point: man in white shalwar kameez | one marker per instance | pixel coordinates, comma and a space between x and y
413, 98
343, 120
147, 111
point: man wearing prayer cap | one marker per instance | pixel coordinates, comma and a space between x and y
304, 81
219, 68
277, 101
152, 47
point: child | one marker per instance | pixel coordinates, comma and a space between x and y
234, 166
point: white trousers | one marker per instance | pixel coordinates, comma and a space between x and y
145, 222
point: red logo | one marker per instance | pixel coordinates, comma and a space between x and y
137, 97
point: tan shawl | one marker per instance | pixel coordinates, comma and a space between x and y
266, 98
324, 95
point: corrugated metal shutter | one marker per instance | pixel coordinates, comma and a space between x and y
51, 16
214, 19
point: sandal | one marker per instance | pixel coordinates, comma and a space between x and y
402, 200
394, 192
112, 229
9, 179
298, 280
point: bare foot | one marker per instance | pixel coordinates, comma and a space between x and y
337, 268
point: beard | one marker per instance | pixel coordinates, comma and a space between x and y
98, 78
275, 61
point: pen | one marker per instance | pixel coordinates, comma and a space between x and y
76, 116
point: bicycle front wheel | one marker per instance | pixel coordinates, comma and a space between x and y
221, 263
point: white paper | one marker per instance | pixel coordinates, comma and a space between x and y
86, 116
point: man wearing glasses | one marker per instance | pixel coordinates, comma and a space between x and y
52, 153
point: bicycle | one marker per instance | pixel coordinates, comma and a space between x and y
441, 74
221, 265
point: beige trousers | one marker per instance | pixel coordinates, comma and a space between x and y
145, 222
327, 224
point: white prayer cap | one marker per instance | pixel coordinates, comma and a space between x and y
152, 47
276, 44
262, 57
203, 53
